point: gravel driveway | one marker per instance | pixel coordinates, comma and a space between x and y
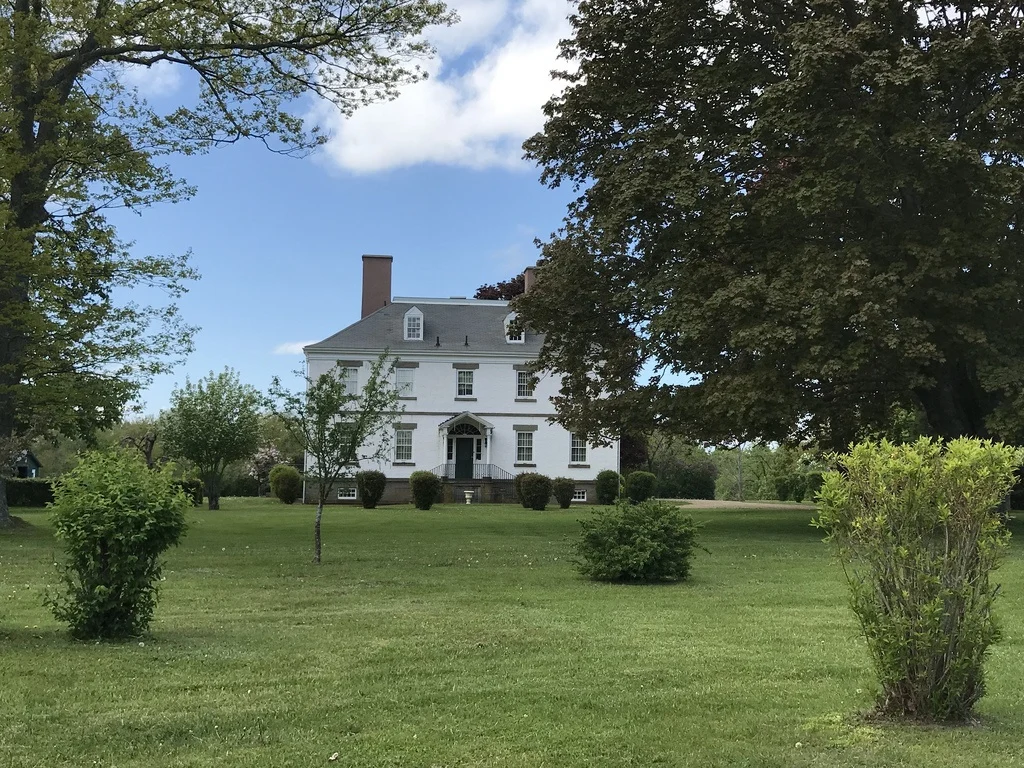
722, 504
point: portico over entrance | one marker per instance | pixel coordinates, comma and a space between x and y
465, 445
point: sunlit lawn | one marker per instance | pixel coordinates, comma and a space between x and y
463, 637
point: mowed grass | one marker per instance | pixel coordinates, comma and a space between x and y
463, 637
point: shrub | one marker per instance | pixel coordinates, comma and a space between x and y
115, 517
193, 490
915, 529
813, 481
370, 486
517, 484
647, 542
798, 487
640, 486
426, 489
240, 485
563, 488
783, 486
286, 483
536, 490
29, 492
689, 478
607, 486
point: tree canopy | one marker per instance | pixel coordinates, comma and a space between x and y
77, 140
794, 219
505, 289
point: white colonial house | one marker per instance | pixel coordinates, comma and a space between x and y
474, 413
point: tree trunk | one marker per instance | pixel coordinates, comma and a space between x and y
214, 500
316, 531
5, 513
956, 406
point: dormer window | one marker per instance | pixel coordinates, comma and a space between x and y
513, 335
414, 325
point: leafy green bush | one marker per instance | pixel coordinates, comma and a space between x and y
286, 483
370, 486
114, 517
916, 532
607, 486
783, 486
29, 492
193, 490
535, 490
426, 489
798, 487
688, 478
647, 542
640, 486
813, 481
563, 488
517, 483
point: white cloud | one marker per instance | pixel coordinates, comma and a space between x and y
292, 347
161, 79
483, 98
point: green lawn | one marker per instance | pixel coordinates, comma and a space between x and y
463, 637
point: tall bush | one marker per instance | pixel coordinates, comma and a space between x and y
640, 486
647, 542
536, 490
29, 491
426, 489
286, 483
517, 484
915, 528
370, 485
563, 489
114, 517
606, 488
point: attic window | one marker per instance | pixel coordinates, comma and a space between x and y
512, 335
414, 325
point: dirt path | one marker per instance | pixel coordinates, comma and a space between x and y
722, 504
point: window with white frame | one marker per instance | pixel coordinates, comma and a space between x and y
403, 445
513, 335
579, 495
414, 325
524, 384
348, 494
577, 450
524, 447
405, 379
351, 378
464, 380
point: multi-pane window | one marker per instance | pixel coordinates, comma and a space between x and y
403, 445
524, 384
578, 450
405, 378
351, 379
514, 336
580, 495
465, 383
524, 447
413, 327
346, 493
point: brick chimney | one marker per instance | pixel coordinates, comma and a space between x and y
376, 283
529, 278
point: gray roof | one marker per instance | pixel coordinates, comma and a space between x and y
448, 324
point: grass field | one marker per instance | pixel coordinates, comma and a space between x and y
463, 637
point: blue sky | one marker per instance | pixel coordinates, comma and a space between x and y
434, 179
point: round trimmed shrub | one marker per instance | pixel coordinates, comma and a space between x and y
370, 485
607, 486
426, 489
286, 483
640, 486
563, 488
517, 484
115, 517
648, 542
536, 490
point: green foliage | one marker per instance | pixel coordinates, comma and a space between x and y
640, 486
915, 528
798, 487
286, 483
115, 517
517, 484
426, 489
535, 489
814, 480
213, 423
562, 488
370, 486
607, 486
647, 542
784, 486
193, 490
29, 491
786, 236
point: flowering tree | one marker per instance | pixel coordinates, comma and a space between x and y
267, 457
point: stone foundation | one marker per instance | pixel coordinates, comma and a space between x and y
397, 491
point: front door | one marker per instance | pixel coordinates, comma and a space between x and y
464, 458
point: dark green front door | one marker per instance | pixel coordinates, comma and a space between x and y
464, 458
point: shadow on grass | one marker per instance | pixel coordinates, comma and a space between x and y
762, 524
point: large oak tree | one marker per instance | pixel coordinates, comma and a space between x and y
76, 140
794, 218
